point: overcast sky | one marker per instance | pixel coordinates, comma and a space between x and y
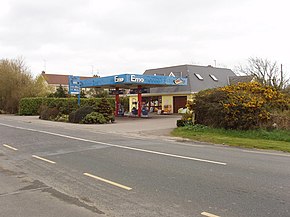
119, 36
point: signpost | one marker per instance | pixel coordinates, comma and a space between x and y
74, 83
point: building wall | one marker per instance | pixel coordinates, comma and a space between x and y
167, 102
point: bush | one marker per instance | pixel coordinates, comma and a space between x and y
94, 118
125, 102
48, 113
30, 106
242, 106
209, 109
62, 118
105, 108
280, 120
71, 117
80, 114
182, 123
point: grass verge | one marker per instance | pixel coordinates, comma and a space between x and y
274, 140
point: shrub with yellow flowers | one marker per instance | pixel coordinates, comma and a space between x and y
242, 106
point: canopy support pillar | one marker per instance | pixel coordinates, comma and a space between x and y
117, 102
139, 100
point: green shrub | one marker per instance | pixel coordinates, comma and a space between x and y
80, 114
209, 109
62, 118
30, 106
47, 113
280, 120
71, 117
125, 102
182, 123
94, 118
105, 108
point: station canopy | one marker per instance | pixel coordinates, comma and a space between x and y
125, 81
128, 81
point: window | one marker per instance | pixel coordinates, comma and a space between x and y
213, 77
198, 76
171, 74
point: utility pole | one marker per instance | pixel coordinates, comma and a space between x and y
44, 65
92, 69
282, 78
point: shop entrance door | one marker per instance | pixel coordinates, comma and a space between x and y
179, 102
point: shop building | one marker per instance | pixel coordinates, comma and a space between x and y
170, 99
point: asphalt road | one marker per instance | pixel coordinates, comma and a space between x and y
107, 174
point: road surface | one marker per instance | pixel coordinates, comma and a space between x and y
81, 172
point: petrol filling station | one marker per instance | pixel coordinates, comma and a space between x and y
124, 81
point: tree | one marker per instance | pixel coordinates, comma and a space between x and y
60, 92
40, 87
17, 82
98, 93
265, 72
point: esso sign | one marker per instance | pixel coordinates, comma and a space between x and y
136, 79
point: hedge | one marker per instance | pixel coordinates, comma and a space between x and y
30, 106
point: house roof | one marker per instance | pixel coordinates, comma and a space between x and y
199, 78
58, 79
238, 79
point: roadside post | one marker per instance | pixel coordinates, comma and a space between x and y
74, 85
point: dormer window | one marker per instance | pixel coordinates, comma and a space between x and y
171, 74
213, 77
198, 76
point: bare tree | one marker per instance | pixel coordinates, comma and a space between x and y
266, 72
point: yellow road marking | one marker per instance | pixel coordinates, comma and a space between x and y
209, 214
43, 159
10, 147
108, 181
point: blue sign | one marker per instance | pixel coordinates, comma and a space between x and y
129, 80
74, 84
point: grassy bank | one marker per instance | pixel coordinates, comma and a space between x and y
275, 140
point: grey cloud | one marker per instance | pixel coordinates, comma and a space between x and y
134, 34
